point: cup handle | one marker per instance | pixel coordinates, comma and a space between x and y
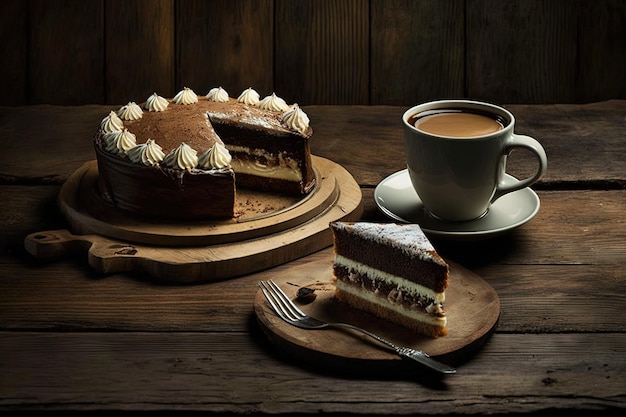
531, 144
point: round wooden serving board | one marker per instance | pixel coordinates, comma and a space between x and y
269, 230
258, 214
472, 307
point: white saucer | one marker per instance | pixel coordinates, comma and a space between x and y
396, 198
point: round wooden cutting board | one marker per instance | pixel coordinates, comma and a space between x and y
270, 230
472, 307
258, 214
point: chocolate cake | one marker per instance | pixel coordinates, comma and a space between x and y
183, 158
393, 272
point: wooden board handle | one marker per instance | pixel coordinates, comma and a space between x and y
55, 244
104, 255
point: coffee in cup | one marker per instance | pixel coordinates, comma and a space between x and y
456, 153
456, 123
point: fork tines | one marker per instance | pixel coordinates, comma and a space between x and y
280, 302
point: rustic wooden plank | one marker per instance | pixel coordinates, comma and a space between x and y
54, 130
571, 228
13, 43
521, 52
139, 50
65, 52
417, 51
571, 134
534, 300
321, 51
225, 43
532, 52
70, 296
335, 133
601, 60
560, 234
568, 132
27, 210
541, 52
559, 254
233, 372
565, 214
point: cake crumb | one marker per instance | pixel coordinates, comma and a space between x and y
306, 295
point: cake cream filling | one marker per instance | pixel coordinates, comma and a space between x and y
403, 284
402, 309
278, 166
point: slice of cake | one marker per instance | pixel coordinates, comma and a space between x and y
393, 272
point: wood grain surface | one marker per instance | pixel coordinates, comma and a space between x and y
569, 134
74, 340
225, 43
380, 52
139, 35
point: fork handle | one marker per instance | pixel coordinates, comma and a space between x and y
424, 359
405, 352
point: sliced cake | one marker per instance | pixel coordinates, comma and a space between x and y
393, 272
182, 158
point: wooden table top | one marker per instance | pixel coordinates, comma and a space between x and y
74, 339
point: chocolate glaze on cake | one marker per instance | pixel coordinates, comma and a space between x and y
163, 192
179, 123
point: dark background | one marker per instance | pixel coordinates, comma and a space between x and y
393, 52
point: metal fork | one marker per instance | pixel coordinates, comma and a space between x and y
289, 312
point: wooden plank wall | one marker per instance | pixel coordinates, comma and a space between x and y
395, 52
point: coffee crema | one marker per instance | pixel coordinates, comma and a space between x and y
457, 123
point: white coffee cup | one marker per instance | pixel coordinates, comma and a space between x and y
456, 153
